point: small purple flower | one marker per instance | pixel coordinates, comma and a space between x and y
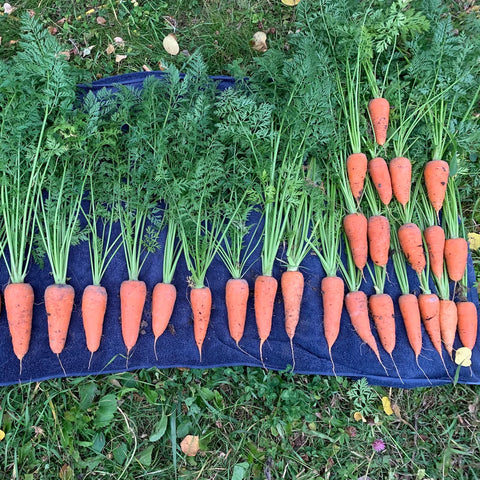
378, 445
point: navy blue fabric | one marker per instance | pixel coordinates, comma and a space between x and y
177, 348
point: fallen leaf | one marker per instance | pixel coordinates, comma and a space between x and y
0, 40
2, 435
66, 473
190, 445
31, 12
290, 3
170, 44
12, 42
119, 41
259, 42
66, 53
396, 411
101, 20
474, 241
119, 58
8, 9
387, 407
89, 12
358, 416
52, 30
162, 68
146, 68
463, 357
110, 49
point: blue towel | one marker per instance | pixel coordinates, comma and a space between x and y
177, 348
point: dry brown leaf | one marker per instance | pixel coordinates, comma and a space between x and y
52, 30
290, 3
66, 53
396, 411
8, 9
170, 44
190, 445
110, 49
259, 42
101, 20
119, 58
119, 41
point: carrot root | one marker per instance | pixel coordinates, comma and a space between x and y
357, 166
164, 296
379, 110
236, 300
356, 226
201, 301
401, 176
380, 175
132, 300
94, 306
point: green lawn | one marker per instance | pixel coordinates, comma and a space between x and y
251, 424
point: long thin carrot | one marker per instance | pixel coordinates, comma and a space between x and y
410, 239
164, 296
401, 177
94, 306
435, 242
236, 299
380, 175
379, 110
201, 301
448, 324
467, 323
132, 300
410, 311
264, 298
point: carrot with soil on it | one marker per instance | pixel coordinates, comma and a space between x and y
467, 323
380, 175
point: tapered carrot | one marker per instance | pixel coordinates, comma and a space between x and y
58, 305
401, 176
467, 323
410, 238
236, 298
357, 170
379, 110
380, 175
355, 226
264, 298
381, 309
410, 311
456, 254
94, 305
201, 302
435, 241
132, 300
378, 232
19, 299
448, 324
164, 296
436, 178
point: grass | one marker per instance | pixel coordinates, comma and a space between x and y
251, 424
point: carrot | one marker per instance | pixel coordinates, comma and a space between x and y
355, 226
381, 309
264, 298
410, 311
292, 284
164, 296
435, 241
410, 238
58, 305
356, 171
332, 296
448, 324
236, 298
201, 301
436, 178
456, 255
401, 177
132, 300
94, 305
379, 110
467, 323
380, 175
19, 299
378, 232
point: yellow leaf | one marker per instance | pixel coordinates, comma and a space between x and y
290, 3
110, 49
190, 445
2, 435
170, 44
358, 416
463, 357
474, 241
387, 407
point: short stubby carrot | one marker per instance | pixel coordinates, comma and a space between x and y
355, 226
333, 290
59, 300
132, 300
164, 296
410, 311
94, 306
435, 241
236, 299
436, 177
467, 323
429, 304
264, 299
381, 310
378, 233
401, 176
357, 170
201, 302
380, 175
19, 298
379, 110
448, 324
456, 255
410, 239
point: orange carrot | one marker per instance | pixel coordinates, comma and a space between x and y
19, 299
201, 301
401, 176
164, 296
435, 241
379, 110
264, 298
429, 304
467, 323
380, 175
436, 177
410, 311
58, 305
410, 238
333, 289
456, 254
355, 226
132, 300
356, 171
236, 298
448, 324
94, 305
378, 232
381, 309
